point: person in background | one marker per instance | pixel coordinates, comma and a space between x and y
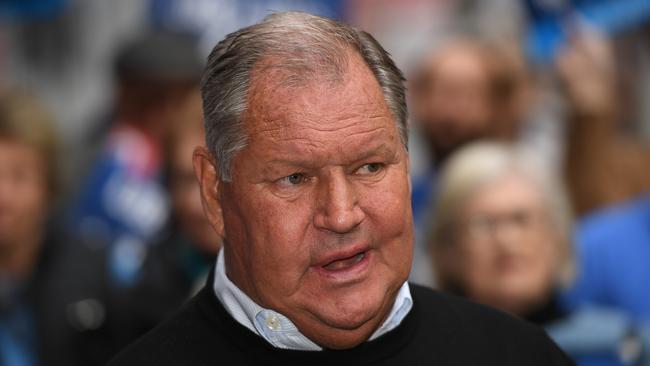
179, 264
462, 92
603, 165
47, 307
122, 205
609, 181
195, 238
613, 249
27, 186
465, 90
502, 237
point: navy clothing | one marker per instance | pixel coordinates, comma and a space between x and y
440, 330
122, 204
17, 335
66, 313
55, 316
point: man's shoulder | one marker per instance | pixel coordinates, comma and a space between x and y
189, 337
456, 308
446, 328
477, 333
450, 311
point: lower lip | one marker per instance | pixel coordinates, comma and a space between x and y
347, 274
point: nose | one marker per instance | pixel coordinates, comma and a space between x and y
338, 207
508, 235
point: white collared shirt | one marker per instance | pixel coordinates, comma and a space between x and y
276, 328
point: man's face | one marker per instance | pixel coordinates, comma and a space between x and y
317, 217
23, 194
454, 107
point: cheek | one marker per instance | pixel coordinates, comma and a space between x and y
389, 221
388, 204
31, 211
546, 257
32, 197
277, 240
477, 265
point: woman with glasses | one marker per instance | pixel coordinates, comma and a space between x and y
502, 237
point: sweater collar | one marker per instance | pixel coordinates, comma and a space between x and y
276, 328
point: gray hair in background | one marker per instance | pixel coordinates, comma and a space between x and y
304, 45
481, 163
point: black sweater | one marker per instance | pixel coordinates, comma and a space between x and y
440, 330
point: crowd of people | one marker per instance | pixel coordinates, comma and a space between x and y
516, 213
533, 199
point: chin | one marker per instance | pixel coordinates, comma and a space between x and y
350, 317
342, 339
363, 313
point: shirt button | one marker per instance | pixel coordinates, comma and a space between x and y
273, 322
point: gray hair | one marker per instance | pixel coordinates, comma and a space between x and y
304, 45
480, 163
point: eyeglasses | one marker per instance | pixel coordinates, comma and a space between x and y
487, 226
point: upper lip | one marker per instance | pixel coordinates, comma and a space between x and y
341, 254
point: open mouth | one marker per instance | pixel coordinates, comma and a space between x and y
345, 263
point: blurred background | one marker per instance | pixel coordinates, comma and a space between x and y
529, 147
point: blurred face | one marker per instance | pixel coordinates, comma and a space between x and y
23, 194
453, 107
186, 195
317, 217
507, 248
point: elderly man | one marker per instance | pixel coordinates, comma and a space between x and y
306, 179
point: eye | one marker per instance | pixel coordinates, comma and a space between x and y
370, 168
293, 179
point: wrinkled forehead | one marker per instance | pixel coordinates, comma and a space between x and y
302, 67
299, 74
347, 90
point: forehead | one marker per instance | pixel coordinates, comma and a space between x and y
321, 111
512, 190
460, 61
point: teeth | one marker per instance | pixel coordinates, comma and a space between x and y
344, 263
359, 257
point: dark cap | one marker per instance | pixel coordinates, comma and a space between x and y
160, 57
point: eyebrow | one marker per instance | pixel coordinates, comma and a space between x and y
381, 150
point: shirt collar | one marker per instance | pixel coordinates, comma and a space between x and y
276, 328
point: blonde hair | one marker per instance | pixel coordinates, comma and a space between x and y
475, 166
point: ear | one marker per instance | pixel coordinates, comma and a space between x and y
205, 169
408, 170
